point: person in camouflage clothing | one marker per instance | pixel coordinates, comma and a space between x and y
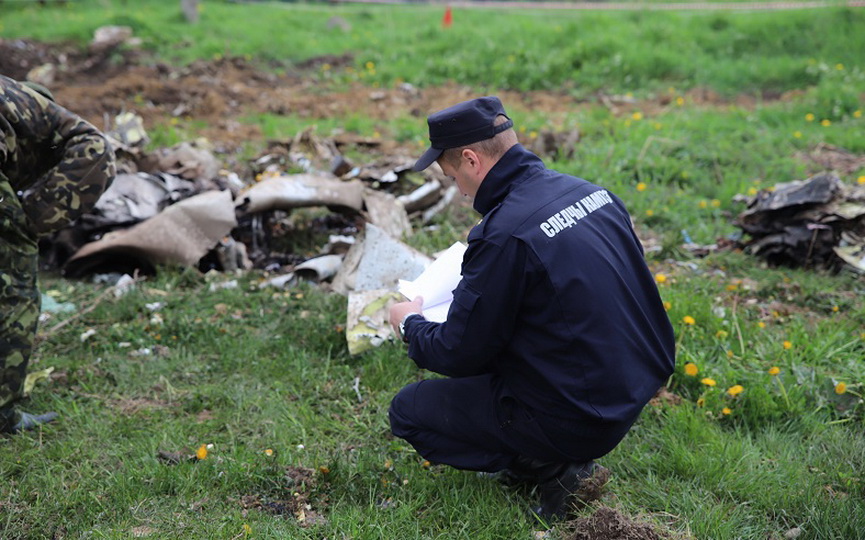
53, 167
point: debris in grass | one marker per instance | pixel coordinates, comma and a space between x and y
181, 234
34, 377
813, 223
665, 397
87, 334
50, 305
386, 504
293, 499
792, 534
175, 458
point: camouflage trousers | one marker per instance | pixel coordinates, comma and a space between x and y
19, 299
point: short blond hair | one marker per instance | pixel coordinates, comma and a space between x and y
494, 147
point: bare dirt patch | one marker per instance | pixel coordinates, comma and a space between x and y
298, 486
220, 93
609, 524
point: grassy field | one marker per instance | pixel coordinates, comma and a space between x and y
767, 437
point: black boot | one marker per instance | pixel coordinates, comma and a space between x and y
562, 485
557, 492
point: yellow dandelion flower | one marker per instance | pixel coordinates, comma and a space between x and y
788, 345
691, 369
721, 334
774, 370
732, 286
752, 191
370, 66
324, 469
725, 411
735, 390
522, 129
708, 382
426, 464
860, 180
701, 402
247, 530
660, 278
825, 122
268, 452
761, 324
680, 101
809, 117
857, 114
201, 453
703, 204
715, 203
729, 354
650, 213
641, 186
797, 134
840, 388
839, 66
669, 305
687, 319
637, 116
835, 309
533, 134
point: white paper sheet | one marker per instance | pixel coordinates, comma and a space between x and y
437, 283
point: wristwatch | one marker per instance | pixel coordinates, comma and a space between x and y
402, 326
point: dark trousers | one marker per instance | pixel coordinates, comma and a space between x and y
472, 423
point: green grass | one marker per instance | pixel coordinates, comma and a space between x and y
580, 52
250, 370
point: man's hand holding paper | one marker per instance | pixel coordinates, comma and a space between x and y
437, 283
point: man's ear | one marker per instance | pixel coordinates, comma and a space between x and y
472, 158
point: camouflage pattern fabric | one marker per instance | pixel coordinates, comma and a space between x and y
19, 300
53, 167
60, 162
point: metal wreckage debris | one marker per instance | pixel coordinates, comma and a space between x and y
175, 206
151, 216
814, 223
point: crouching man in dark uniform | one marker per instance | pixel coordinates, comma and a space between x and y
556, 337
53, 167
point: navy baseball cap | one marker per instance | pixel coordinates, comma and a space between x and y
464, 123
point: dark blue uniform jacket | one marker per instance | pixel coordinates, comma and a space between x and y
556, 299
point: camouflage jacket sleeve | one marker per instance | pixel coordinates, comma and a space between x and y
60, 162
